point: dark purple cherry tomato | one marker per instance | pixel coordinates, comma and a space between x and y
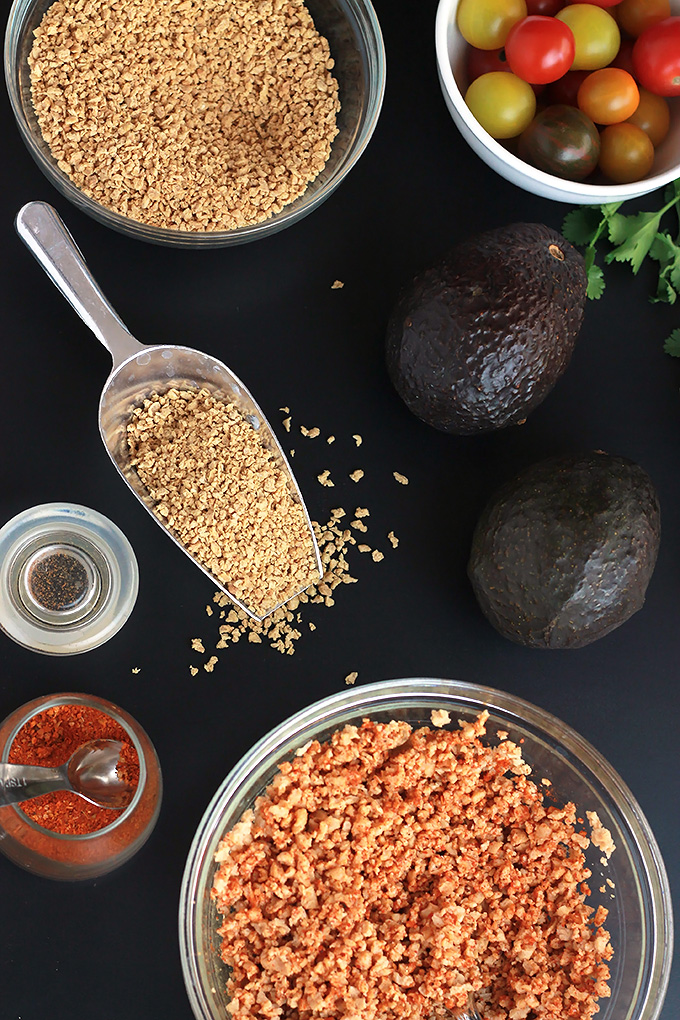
561, 141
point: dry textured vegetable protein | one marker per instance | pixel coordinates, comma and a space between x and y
388, 872
220, 491
193, 116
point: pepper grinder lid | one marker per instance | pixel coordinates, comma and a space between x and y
68, 578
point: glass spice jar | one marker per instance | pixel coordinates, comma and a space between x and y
68, 578
75, 856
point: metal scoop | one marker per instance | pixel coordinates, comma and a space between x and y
90, 772
139, 369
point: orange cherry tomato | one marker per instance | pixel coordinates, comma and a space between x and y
653, 115
608, 96
626, 153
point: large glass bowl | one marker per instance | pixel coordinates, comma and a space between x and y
640, 912
353, 33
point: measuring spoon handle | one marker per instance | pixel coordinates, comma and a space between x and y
23, 782
41, 229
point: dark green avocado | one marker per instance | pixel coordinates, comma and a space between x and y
563, 553
476, 342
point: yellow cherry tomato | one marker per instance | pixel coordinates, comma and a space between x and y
596, 35
502, 103
486, 23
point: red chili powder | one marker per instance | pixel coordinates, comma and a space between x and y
49, 738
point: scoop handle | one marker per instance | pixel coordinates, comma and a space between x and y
41, 229
23, 782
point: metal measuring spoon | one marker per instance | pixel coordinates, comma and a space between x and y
140, 369
90, 772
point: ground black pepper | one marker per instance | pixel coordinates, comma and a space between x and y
58, 581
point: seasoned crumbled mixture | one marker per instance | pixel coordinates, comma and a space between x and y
197, 117
440, 717
600, 837
216, 486
385, 874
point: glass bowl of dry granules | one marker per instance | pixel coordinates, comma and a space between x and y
195, 124
389, 850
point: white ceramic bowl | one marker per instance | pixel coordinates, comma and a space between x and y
450, 50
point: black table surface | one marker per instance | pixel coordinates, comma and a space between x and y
108, 948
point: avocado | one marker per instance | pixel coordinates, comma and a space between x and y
477, 341
563, 553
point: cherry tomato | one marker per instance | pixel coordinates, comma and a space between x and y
486, 23
480, 62
635, 16
653, 115
624, 58
565, 89
656, 58
502, 103
596, 35
598, 3
562, 141
626, 153
540, 50
608, 96
547, 8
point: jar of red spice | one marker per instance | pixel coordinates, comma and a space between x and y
59, 834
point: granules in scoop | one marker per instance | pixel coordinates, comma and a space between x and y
197, 117
49, 738
217, 487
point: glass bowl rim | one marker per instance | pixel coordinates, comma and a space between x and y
371, 697
369, 34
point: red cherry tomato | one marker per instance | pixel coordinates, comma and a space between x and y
547, 8
624, 58
481, 62
565, 90
656, 58
540, 50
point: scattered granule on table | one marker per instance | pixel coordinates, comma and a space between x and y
193, 670
284, 410
197, 117
388, 872
377, 556
208, 610
331, 439
337, 285
361, 511
363, 548
325, 479
286, 424
310, 433
357, 439
440, 717
358, 525
351, 678
599, 835
210, 664
136, 669
198, 645
357, 475
393, 540
402, 479
213, 483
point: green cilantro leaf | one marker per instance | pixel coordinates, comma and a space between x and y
672, 344
580, 225
666, 252
595, 287
634, 236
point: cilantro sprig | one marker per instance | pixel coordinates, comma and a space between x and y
632, 238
